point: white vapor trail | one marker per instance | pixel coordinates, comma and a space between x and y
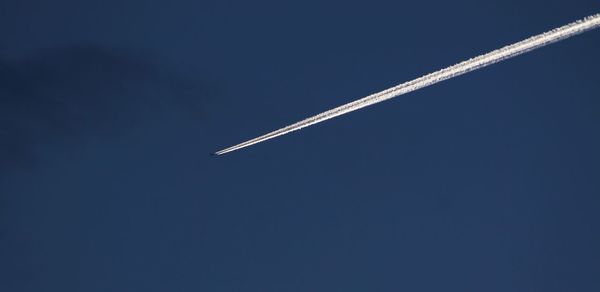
507, 52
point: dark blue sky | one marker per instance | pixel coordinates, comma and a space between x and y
108, 110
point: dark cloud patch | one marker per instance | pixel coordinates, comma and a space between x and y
70, 93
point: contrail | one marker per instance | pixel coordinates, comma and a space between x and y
507, 52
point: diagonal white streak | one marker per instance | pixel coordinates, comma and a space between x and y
507, 52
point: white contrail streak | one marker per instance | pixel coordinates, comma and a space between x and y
555, 35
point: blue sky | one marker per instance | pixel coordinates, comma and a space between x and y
109, 110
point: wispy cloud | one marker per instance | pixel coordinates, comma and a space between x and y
69, 93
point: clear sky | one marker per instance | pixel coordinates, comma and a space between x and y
109, 110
